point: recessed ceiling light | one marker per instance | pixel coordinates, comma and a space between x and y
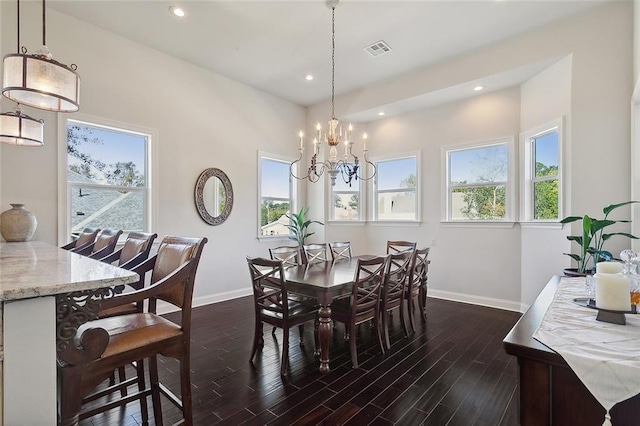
308, 77
178, 11
478, 88
381, 113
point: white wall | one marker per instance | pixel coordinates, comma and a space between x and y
545, 98
202, 119
636, 39
600, 43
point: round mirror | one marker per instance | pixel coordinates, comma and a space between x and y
214, 196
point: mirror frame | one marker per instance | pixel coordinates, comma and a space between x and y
199, 196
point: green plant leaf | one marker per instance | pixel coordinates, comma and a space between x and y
573, 256
576, 238
605, 237
597, 225
570, 219
611, 207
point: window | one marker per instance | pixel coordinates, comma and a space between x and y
346, 201
478, 182
541, 192
276, 197
108, 179
395, 189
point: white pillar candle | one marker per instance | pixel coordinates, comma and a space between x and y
609, 267
612, 292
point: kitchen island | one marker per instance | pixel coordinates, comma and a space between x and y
41, 286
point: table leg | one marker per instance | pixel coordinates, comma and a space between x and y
324, 334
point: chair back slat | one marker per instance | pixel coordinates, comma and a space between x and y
269, 289
340, 250
105, 243
172, 254
397, 276
315, 253
369, 276
419, 270
288, 255
136, 244
400, 246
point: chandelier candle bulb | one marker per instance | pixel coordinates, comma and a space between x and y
364, 141
609, 268
612, 292
315, 146
301, 139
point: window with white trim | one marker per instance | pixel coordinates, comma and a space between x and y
396, 195
346, 201
276, 195
542, 166
108, 178
479, 183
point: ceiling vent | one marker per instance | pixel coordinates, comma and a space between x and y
378, 48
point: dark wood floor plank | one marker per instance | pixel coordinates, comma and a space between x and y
452, 369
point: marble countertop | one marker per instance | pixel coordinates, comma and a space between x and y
35, 269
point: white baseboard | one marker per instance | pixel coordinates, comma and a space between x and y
473, 299
509, 305
165, 308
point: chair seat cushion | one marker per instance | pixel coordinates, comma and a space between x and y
128, 332
295, 310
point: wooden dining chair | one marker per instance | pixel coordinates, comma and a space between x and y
394, 290
417, 287
340, 250
314, 253
103, 345
135, 250
273, 306
84, 240
400, 246
104, 245
364, 303
289, 255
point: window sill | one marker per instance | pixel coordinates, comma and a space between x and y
266, 238
477, 224
541, 225
395, 223
346, 222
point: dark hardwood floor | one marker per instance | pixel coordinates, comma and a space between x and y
452, 371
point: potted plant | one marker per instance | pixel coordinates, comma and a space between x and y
298, 225
592, 240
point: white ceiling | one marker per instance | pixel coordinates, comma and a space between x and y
272, 44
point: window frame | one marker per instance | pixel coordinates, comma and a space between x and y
527, 203
373, 191
64, 189
510, 184
293, 193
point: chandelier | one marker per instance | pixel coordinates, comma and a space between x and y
349, 165
17, 128
39, 81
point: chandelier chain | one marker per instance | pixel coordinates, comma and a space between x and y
333, 62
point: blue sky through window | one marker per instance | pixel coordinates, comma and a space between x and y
391, 173
275, 179
476, 165
112, 147
547, 149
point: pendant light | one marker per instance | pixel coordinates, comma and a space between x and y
17, 128
39, 81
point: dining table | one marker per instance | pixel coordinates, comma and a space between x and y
323, 281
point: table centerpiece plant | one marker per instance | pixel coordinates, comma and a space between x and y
592, 240
298, 225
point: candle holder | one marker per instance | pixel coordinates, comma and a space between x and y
605, 315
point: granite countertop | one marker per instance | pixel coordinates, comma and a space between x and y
35, 269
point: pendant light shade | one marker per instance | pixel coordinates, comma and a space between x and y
41, 82
17, 128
